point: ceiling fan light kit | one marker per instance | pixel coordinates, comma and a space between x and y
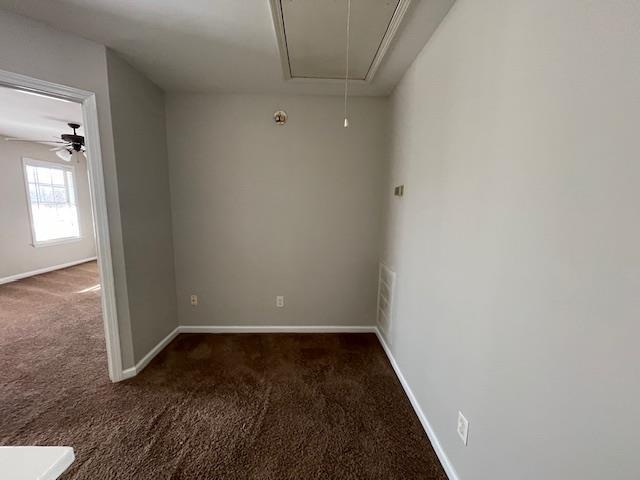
71, 145
64, 154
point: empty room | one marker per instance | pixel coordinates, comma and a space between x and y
319, 239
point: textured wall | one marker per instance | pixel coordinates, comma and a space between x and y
516, 244
137, 109
262, 210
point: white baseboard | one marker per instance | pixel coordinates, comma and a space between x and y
442, 456
275, 329
20, 276
437, 446
133, 371
128, 373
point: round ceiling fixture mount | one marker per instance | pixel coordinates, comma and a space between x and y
280, 117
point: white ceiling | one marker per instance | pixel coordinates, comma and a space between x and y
36, 117
218, 45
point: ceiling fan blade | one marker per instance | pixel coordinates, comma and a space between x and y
32, 141
61, 147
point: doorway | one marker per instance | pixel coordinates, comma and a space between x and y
97, 200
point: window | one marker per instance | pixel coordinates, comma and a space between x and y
52, 202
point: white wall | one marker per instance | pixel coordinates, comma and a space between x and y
516, 244
17, 254
137, 109
261, 210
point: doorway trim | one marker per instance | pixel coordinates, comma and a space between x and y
98, 201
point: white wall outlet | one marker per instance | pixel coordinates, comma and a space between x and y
194, 300
279, 301
463, 428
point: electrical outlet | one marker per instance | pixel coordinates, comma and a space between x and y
463, 428
279, 301
194, 300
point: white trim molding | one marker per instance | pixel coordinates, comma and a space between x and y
275, 329
98, 201
20, 276
214, 329
435, 443
217, 329
133, 371
383, 48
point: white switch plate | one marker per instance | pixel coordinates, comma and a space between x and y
194, 300
279, 301
463, 428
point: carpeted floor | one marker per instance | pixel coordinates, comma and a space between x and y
274, 406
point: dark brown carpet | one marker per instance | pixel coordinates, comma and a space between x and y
276, 406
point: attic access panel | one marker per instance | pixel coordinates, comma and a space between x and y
312, 36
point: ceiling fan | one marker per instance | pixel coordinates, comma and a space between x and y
69, 146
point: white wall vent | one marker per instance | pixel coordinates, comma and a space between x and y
386, 289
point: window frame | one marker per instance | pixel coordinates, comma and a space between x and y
27, 161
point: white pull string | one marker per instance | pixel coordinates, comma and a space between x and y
346, 75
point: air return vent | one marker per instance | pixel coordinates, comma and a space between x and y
386, 288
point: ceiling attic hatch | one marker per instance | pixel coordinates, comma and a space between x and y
311, 36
